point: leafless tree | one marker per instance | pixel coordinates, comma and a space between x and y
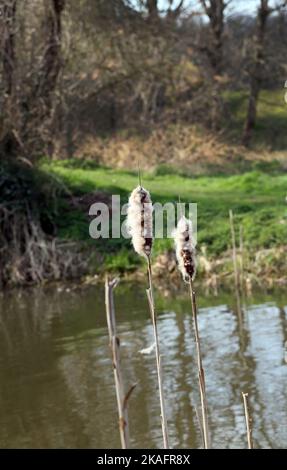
51, 64
28, 94
155, 14
215, 11
212, 46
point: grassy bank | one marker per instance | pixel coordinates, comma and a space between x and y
256, 198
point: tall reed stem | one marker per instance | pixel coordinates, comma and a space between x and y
201, 378
248, 420
235, 268
158, 357
115, 347
234, 252
241, 262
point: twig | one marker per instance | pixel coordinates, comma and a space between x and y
122, 398
248, 420
201, 378
158, 357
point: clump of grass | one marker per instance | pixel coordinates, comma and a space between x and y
121, 261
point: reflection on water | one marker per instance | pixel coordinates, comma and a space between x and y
56, 381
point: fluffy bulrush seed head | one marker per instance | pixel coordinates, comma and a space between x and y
139, 221
185, 249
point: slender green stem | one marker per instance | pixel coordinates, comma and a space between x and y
201, 378
158, 358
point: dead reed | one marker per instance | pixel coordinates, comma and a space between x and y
235, 268
122, 398
234, 252
248, 420
241, 259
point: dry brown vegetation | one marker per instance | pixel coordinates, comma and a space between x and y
184, 148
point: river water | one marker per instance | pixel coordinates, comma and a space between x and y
56, 378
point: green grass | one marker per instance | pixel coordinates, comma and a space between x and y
257, 199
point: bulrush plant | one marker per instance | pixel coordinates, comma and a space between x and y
185, 254
140, 227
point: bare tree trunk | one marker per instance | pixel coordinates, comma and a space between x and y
51, 64
8, 140
7, 22
256, 71
173, 14
214, 10
37, 108
152, 8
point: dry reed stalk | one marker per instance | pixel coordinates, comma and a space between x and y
241, 259
150, 297
242, 264
185, 253
235, 267
140, 227
198, 417
243, 284
122, 398
248, 420
234, 251
201, 377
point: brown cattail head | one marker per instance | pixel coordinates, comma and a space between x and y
139, 221
185, 248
